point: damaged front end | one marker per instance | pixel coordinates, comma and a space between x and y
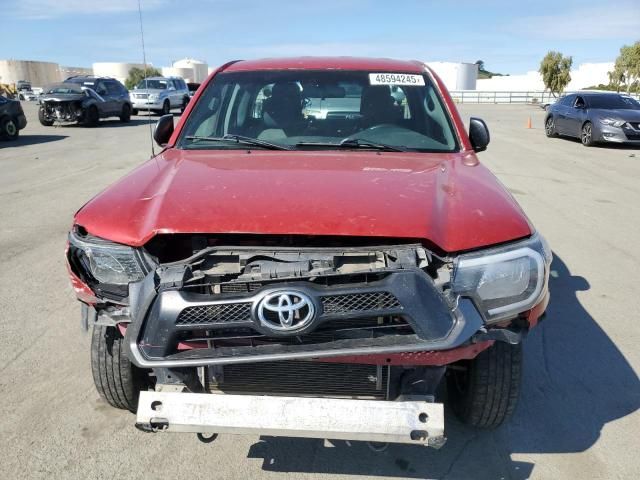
246, 316
62, 110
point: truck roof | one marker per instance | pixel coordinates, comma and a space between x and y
328, 63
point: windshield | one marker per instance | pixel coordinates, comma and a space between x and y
64, 89
152, 83
612, 101
301, 109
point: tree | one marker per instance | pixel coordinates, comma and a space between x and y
136, 74
627, 67
556, 72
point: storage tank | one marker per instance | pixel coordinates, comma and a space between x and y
39, 74
186, 73
467, 76
200, 69
66, 72
117, 70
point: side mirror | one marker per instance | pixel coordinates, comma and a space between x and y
478, 134
163, 130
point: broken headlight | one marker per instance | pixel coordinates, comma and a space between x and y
504, 281
105, 262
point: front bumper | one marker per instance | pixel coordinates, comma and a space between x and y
155, 329
625, 134
409, 422
141, 104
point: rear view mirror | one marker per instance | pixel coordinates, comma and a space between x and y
478, 134
163, 130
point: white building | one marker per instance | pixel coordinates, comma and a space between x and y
456, 76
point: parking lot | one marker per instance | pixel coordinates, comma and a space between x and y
578, 414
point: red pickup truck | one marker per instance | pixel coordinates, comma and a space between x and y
315, 252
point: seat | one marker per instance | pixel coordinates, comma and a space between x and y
377, 106
283, 109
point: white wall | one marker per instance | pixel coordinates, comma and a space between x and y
585, 75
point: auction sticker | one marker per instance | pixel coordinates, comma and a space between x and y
395, 79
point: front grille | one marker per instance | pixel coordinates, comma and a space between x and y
632, 136
215, 314
359, 302
301, 378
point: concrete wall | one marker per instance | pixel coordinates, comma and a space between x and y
39, 74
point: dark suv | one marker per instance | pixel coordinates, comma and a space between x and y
84, 99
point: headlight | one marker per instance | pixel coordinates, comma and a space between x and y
612, 122
504, 281
106, 262
154, 97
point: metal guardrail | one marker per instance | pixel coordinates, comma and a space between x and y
532, 97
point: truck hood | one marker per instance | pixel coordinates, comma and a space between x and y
448, 200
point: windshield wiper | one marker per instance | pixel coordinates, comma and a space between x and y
354, 143
240, 139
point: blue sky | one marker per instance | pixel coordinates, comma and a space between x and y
510, 36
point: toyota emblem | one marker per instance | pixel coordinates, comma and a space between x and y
285, 311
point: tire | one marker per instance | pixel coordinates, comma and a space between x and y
185, 102
125, 116
117, 380
43, 120
485, 392
134, 111
166, 108
550, 127
9, 128
586, 135
93, 117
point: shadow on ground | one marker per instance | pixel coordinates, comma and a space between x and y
575, 382
32, 140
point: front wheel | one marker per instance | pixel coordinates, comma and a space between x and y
134, 111
9, 129
550, 127
44, 121
92, 117
117, 380
586, 136
166, 108
484, 391
125, 115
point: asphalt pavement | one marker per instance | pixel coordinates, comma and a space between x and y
578, 415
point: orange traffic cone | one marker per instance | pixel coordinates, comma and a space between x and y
529, 122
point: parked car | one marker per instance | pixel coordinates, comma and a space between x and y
28, 95
323, 276
84, 100
160, 95
193, 88
595, 117
12, 119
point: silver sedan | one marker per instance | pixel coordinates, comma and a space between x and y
595, 117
